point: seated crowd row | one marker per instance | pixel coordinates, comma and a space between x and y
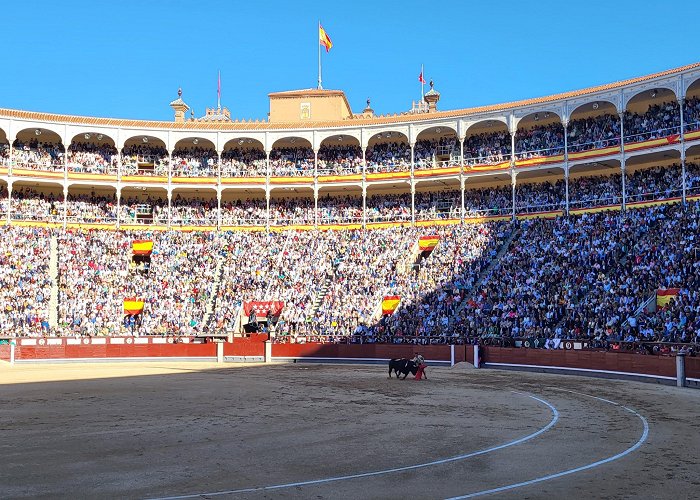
584, 192
393, 155
582, 277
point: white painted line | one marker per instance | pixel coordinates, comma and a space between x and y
591, 370
549, 477
552, 422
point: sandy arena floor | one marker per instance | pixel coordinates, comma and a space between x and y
152, 430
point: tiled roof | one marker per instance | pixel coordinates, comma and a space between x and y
378, 120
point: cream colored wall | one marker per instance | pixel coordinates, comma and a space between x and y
323, 108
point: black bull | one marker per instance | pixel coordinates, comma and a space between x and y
402, 366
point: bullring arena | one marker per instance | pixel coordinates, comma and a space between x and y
198, 430
206, 307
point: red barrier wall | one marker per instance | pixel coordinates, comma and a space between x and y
592, 360
5, 352
59, 352
246, 346
692, 367
355, 351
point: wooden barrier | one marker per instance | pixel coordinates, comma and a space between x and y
618, 362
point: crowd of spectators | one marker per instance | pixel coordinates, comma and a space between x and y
145, 159
195, 162
243, 162
339, 159
92, 158
36, 155
25, 286
578, 277
660, 120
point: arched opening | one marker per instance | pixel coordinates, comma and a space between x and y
539, 135
292, 157
243, 207
145, 155
338, 205
339, 155
436, 147
652, 114
389, 203
36, 201
92, 153
194, 157
91, 205
692, 171
486, 196
487, 143
438, 200
540, 191
691, 108
654, 176
193, 207
594, 125
143, 205
243, 157
4, 207
4, 149
290, 206
38, 149
388, 152
595, 184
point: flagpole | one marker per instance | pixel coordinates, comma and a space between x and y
318, 42
218, 92
422, 83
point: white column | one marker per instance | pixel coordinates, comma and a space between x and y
170, 208
218, 207
566, 165
65, 205
119, 202
413, 202
512, 183
681, 102
315, 203
512, 164
461, 177
9, 201
622, 160
268, 173
364, 205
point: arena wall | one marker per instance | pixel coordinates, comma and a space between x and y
613, 364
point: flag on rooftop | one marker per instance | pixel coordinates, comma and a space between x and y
323, 38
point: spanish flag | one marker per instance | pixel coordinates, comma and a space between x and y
427, 243
133, 306
142, 247
323, 38
390, 303
664, 296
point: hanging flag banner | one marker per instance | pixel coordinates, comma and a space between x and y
261, 308
427, 243
324, 39
664, 296
133, 306
142, 247
390, 303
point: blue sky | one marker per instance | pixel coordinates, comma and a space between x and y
127, 58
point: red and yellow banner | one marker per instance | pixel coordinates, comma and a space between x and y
133, 306
664, 296
390, 303
324, 39
427, 243
142, 247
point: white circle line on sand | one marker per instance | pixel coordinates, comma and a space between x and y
635, 446
552, 422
